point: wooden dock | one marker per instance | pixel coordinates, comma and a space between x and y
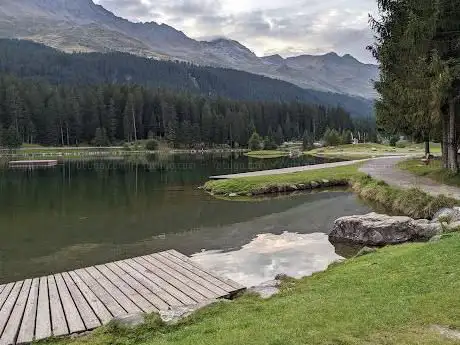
32, 163
84, 299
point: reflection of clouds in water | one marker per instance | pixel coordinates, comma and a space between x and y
297, 255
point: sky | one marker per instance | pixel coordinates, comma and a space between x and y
285, 27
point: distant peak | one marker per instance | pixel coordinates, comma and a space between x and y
273, 59
274, 56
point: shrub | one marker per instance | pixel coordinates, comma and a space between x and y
393, 141
401, 144
254, 142
151, 145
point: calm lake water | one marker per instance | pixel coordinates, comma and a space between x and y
89, 212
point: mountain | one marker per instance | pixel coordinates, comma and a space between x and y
81, 25
30, 60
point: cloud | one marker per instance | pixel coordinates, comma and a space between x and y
287, 27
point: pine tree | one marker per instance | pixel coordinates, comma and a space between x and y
307, 142
254, 142
11, 138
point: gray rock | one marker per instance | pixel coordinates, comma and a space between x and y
267, 289
281, 276
436, 238
314, 184
293, 187
447, 214
131, 320
232, 195
175, 314
375, 229
451, 227
325, 183
366, 250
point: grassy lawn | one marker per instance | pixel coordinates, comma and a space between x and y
368, 150
257, 183
433, 170
392, 297
266, 154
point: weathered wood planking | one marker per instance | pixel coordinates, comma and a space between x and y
84, 299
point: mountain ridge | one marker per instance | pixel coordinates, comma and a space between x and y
83, 26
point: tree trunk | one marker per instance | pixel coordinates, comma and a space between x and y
427, 148
445, 140
452, 144
134, 126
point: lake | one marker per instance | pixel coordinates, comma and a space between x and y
82, 213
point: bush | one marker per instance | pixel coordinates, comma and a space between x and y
254, 142
401, 144
151, 145
332, 137
270, 144
393, 141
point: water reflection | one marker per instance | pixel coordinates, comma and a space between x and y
85, 213
297, 255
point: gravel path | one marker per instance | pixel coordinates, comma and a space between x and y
287, 170
385, 169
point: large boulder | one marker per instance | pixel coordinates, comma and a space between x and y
375, 229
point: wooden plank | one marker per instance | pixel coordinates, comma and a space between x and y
109, 302
43, 324
58, 320
74, 321
209, 290
27, 330
5, 293
8, 306
148, 272
12, 327
129, 292
223, 283
87, 315
96, 306
113, 290
145, 292
191, 288
166, 297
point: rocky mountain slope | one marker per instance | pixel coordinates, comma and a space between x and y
81, 25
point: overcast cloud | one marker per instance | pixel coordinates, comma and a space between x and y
285, 27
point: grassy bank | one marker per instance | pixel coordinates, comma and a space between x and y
410, 202
433, 170
278, 183
267, 154
392, 297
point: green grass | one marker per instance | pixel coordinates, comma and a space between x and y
408, 202
266, 154
433, 170
261, 184
391, 297
371, 150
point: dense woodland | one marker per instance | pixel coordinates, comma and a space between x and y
52, 98
39, 112
30, 60
418, 47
